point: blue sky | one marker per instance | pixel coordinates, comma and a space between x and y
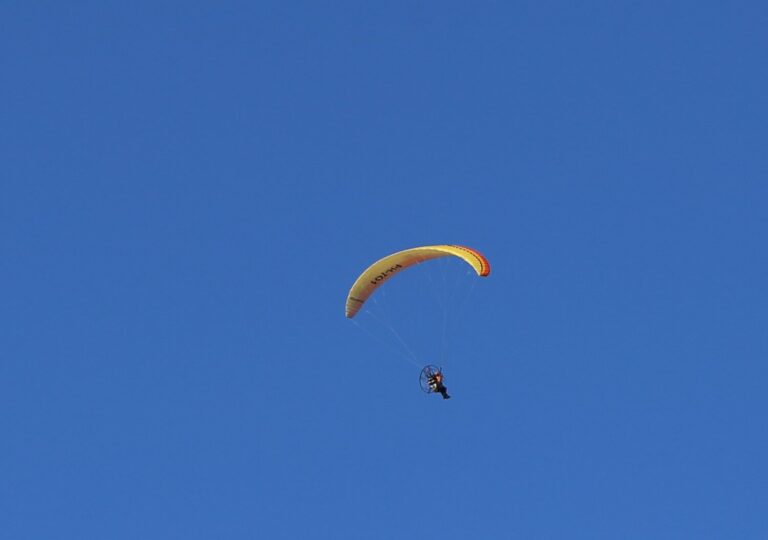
188, 189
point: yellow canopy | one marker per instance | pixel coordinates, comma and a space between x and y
385, 268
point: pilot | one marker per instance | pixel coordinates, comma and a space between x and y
436, 384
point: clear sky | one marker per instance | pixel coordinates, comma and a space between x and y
188, 190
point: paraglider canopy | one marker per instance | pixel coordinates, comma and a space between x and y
383, 269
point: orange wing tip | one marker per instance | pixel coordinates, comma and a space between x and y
485, 266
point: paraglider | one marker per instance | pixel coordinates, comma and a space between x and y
431, 378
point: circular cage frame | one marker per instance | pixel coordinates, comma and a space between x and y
426, 372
